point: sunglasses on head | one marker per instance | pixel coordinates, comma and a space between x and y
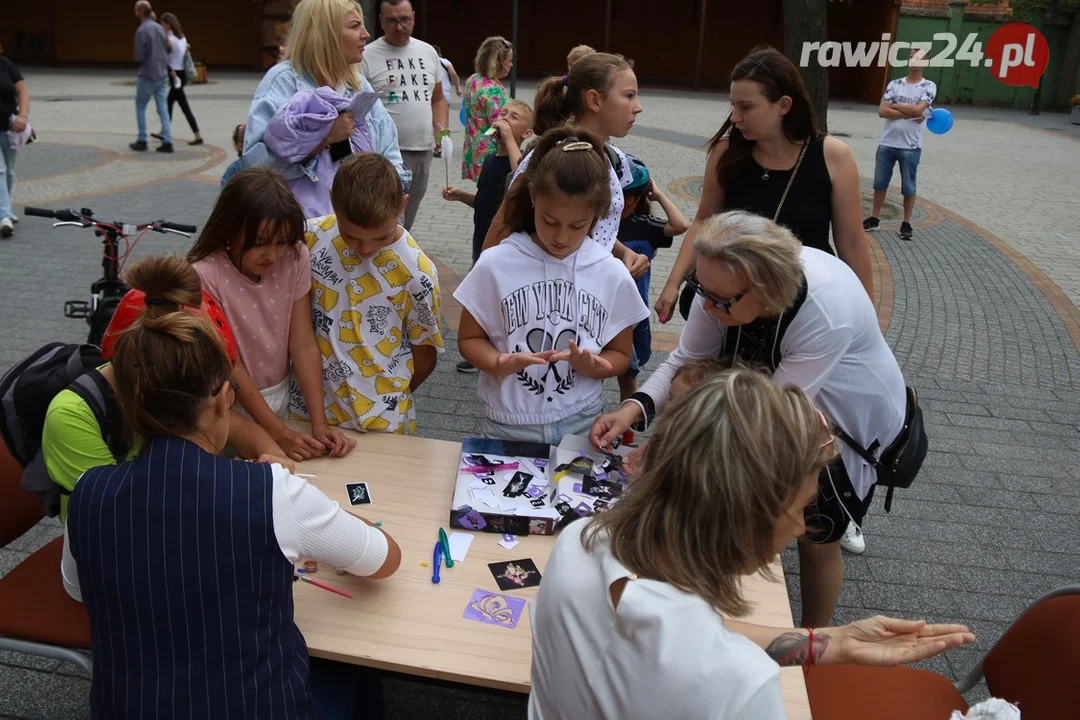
722, 303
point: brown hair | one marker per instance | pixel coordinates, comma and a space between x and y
171, 360
174, 24
367, 190
578, 52
251, 198
559, 99
777, 76
491, 54
557, 165
696, 371
724, 462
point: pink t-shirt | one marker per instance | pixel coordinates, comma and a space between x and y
260, 312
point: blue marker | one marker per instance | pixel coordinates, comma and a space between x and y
436, 561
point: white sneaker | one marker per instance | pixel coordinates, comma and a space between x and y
853, 540
7, 228
15, 219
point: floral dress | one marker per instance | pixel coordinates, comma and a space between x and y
483, 99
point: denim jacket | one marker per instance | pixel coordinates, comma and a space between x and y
276, 89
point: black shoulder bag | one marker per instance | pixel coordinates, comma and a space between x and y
901, 461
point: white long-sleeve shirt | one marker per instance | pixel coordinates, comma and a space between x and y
833, 350
306, 524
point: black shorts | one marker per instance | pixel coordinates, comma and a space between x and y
836, 504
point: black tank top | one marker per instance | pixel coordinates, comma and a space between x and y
807, 211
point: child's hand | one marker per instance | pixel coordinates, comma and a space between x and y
336, 441
300, 446
505, 133
583, 361
632, 462
636, 263
654, 191
452, 194
665, 304
342, 128
512, 362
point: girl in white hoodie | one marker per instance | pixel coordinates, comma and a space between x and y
548, 314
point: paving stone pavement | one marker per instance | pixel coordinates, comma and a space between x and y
991, 523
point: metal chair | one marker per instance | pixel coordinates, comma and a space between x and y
1034, 665
37, 616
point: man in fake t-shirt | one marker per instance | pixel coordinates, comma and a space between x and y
903, 105
407, 74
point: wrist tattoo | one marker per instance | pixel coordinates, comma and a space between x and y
793, 648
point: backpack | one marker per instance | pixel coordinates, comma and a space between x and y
25, 393
614, 159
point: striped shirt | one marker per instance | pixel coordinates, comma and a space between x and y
189, 585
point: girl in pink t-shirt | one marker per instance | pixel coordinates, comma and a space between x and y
252, 259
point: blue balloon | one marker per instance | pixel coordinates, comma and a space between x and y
940, 121
461, 115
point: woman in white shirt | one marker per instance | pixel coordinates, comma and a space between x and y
802, 316
631, 619
178, 48
184, 557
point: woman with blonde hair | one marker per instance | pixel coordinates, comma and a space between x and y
800, 314
301, 120
483, 99
633, 619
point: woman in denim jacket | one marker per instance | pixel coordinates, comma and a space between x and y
319, 57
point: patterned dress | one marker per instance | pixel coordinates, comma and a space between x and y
483, 99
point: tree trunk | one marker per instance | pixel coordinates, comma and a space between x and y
1036, 99
1067, 83
807, 21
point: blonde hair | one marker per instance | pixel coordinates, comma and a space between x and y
725, 461
769, 255
579, 52
314, 42
490, 55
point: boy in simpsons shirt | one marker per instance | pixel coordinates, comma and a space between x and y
374, 302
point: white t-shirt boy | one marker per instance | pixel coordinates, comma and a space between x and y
405, 78
906, 133
368, 314
528, 301
664, 654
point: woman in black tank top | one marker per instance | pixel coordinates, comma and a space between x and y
770, 135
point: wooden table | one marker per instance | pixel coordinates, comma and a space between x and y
408, 624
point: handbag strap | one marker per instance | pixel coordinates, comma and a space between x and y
866, 454
802, 154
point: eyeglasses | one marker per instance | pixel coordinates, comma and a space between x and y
830, 438
723, 304
400, 22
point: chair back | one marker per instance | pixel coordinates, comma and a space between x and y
19, 509
1036, 663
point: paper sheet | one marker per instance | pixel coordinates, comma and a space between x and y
459, 545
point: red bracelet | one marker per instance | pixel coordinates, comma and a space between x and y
810, 655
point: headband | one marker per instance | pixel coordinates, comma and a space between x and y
564, 81
758, 64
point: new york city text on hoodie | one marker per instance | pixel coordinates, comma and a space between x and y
528, 301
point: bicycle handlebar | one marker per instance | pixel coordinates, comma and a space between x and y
177, 226
87, 217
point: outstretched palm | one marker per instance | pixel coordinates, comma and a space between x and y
889, 641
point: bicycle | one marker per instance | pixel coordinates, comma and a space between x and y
107, 291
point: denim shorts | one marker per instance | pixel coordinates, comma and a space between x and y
909, 163
550, 433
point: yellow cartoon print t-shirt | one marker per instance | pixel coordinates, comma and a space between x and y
368, 313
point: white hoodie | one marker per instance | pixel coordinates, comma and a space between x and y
528, 301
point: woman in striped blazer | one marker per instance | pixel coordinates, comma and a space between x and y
184, 558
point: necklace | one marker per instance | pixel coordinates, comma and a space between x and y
765, 175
